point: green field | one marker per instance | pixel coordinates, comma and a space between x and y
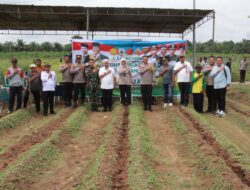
167, 149
27, 58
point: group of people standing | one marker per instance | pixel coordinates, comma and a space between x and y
214, 78
41, 82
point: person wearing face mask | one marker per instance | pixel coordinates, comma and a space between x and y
125, 78
93, 82
222, 79
210, 91
48, 78
183, 71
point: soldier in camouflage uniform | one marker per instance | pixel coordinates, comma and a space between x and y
93, 82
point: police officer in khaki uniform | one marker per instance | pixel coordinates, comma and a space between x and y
79, 81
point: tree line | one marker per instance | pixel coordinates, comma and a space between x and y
242, 47
226, 47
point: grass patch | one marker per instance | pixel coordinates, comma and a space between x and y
226, 143
91, 177
40, 156
14, 119
203, 165
74, 123
140, 173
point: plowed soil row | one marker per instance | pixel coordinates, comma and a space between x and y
13, 152
242, 174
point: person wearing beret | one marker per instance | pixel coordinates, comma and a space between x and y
48, 78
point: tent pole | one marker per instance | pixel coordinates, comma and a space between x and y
87, 24
194, 35
213, 25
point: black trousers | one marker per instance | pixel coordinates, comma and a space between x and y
184, 89
146, 92
242, 76
107, 98
221, 98
67, 93
48, 101
15, 91
211, 97
26, 98
198, 99
79, 87
37, 99
125, 91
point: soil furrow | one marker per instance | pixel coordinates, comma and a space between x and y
242, 174
76, 153
13, 152
113, 168
120, 176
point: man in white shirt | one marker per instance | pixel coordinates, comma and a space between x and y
48, 78
183, 71
108, 80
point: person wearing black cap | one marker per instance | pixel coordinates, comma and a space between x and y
67, 79
198, 88
85, 57
97, 56
183, 71
48, 78
79, 80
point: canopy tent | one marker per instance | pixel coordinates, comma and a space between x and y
108, 21
101, 19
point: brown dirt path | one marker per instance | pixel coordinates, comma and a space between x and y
238, 177
113, 169
13, 152
13, 136
170, 157
76, 154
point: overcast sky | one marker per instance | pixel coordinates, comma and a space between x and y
232, 22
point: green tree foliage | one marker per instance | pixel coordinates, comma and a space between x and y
226, 47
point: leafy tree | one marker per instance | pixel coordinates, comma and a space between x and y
47, 46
